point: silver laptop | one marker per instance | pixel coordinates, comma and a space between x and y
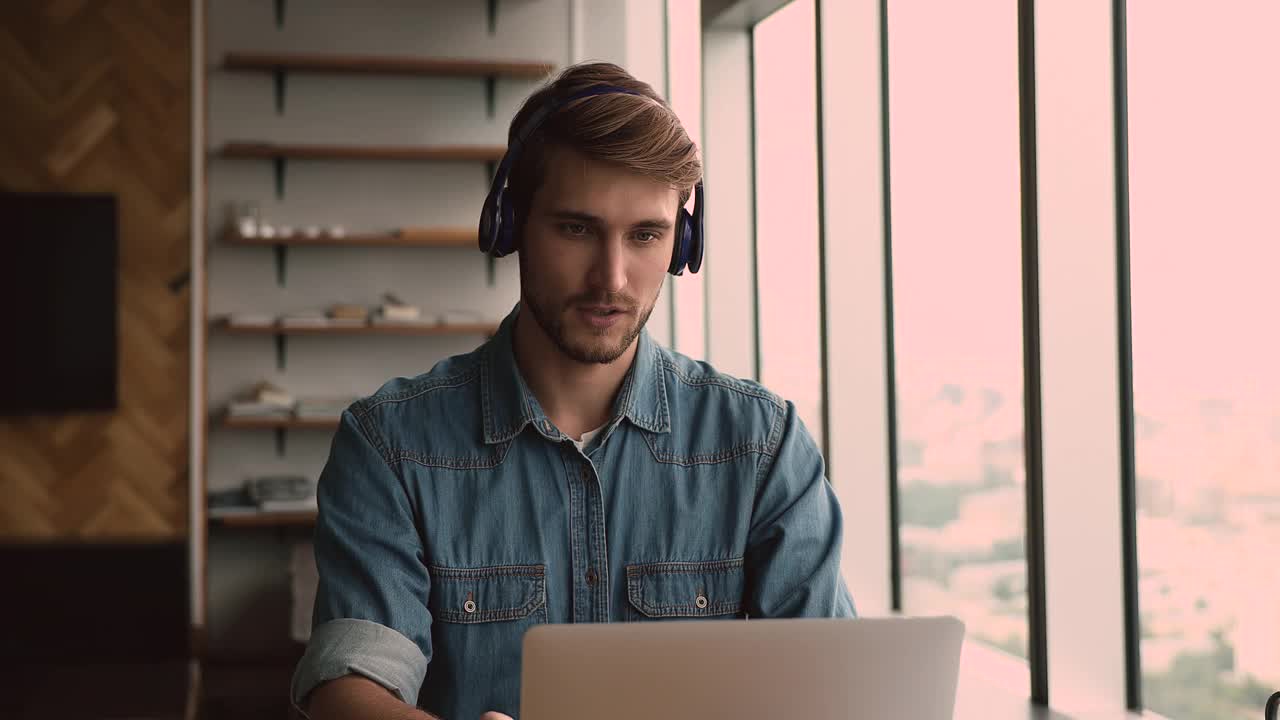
816, 669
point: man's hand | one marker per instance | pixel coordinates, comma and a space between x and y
494, 716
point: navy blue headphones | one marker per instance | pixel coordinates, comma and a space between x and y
497, 219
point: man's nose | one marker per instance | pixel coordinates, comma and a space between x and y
608, 267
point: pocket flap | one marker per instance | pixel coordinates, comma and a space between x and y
486, 594
686, 589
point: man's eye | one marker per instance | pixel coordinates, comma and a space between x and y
647, 236
574, 228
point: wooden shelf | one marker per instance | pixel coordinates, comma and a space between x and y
418, 237
443, 153
301, 518
384, 65
486, 329
278, 423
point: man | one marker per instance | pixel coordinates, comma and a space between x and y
570, 469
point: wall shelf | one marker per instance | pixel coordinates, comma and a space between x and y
385, 65
437, 237
427, 237
438, 153
485, 329
281, 64
303, 518
281, 153
281, 332
279, 424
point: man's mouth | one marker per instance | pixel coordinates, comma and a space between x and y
602, 310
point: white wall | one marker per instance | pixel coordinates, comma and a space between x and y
248, 570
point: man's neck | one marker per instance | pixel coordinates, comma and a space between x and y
577, 397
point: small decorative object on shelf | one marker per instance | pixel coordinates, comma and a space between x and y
245, 218
393, 310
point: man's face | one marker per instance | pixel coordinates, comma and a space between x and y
594, 252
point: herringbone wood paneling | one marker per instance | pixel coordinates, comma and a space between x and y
97, 97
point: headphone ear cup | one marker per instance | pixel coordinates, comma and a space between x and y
488, 223
698, 230
507, 235
683, 236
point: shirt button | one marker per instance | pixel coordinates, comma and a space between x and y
586, 474
701, 602
469, 606
591, 576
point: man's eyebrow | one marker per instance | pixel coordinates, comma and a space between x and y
656, 223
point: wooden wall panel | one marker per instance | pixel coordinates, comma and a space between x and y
97, 97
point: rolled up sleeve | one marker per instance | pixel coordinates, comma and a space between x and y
370, 616
794, 544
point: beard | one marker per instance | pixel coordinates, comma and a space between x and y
592, 345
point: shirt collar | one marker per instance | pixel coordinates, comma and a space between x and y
508, 405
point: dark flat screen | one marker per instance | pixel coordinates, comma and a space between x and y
58, 300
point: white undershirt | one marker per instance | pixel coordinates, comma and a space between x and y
587, 436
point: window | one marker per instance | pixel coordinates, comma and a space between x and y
786, 147
956, 234
684, 80
1204, 257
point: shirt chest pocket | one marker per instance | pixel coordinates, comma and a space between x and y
672, 590
500, 593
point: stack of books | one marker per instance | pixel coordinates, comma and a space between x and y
282, 493
343, 314
263, 400
265, 493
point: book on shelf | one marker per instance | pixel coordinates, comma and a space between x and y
264, 494
250, 409
263, 399
280, 488
345, 311
301, 505
230, 503
309, 318
320, 321
380, 321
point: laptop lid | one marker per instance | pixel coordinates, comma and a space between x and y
817, 669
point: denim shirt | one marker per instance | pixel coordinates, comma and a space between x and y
454, 516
